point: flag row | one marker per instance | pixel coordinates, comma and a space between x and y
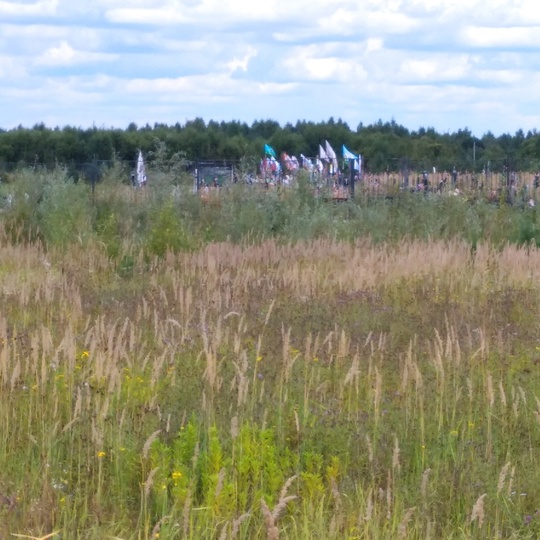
327, 158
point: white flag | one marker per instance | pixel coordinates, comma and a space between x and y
141, 173
330, 151
306, 162
332, 157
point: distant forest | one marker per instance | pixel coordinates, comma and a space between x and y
384, 146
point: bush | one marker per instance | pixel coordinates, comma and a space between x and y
168, 232
64, 211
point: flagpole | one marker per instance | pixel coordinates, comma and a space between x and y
351, 165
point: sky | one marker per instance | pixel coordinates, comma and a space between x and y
447, 64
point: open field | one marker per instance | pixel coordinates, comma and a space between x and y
314, 390
270, 366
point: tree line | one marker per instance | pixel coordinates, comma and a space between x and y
385, 146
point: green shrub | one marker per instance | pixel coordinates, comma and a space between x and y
167, 232
65, 211
107, 228
19, 215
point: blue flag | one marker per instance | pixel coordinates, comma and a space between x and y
269, 151
347, 154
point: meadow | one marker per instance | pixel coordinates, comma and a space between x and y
266, 365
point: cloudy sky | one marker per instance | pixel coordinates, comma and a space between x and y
448, 64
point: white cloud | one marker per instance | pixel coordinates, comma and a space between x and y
437, 68
210, 12
161, 17
350, 21
374, 44
501, 37
33, 39
322, 63
201, 88
241, 64
18, 9
64, 55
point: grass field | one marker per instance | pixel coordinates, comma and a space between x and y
269, 388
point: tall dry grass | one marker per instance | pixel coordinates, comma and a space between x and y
391, 388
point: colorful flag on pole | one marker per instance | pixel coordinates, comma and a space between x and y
286, 160
269, 151
269, 165
322, 153
347, 154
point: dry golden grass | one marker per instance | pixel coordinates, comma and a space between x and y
179, 400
